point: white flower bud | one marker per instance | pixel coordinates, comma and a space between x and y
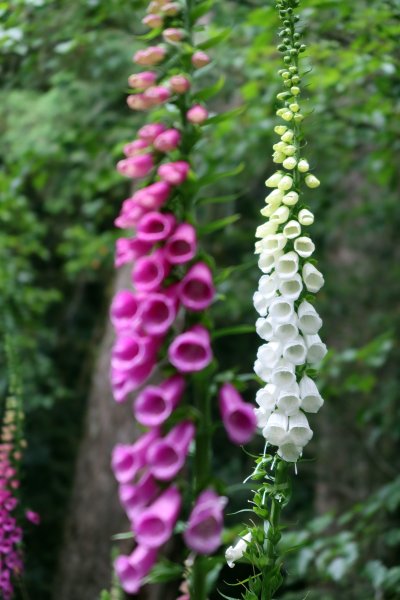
281, 310
280, 215
264, 328
289, 452
306, 217
312, 278
289, 400
291, 288
275, 431
294, 90
304, 246
280, 129
316, 349
289, 163
292, 230
266, 229
289, 150
287, 265
298, 118
283, 375
287, 115
308, 319
260, 303
269, 354
312, 181
285, 183
273, 181
311, 400
237, 551
267, 210
288, 136
294, 107
303, 165
278, 157
274, 243
279, 147
290, 199
274, 197
300, 432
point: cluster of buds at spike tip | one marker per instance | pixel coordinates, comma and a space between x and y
160, 323
288, 323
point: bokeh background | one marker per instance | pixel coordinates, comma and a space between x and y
63, 121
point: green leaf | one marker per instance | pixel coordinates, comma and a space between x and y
235, 330
164, 571
202, 9
212, 90
216, 39
219, 224
229, 114
214, 177
216, 200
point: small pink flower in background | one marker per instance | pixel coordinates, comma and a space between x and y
172, 34
200, 59
125, 310
136, 167
153, 21
191, 351
182, 245
238, 416
134, 148
32, 517
167, 455
155, 226
128, 459
137, 102
150, 56
157, 94
168, 140
132, 569
135, 497
155, 524
197, 114
174, 173
149, 132
196, 290
171, 9
204, 529
149, 272
142, 81
155, 404
179, 84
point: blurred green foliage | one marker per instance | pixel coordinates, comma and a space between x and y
63, 121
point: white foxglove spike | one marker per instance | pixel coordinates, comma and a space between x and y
266, 397
290, 452
300, 432
287, 265
304, 246
264, 329
286, 331
275, 432
295, 351
316, 349
281, 310
312, 278
292, 229
269, 354
266, 262
291, 288
283, 375
311, 400
289, 400
308, 319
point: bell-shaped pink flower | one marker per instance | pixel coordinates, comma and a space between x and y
238, 416
131, 570
196, 291
131, 350
130, 215
155, 403
124, 382
138, 102
149, 272
197, 114
125, 311
174, 173
179, 84
142, 81
155, 524
155, 226
182, 245
149, 132
134, 498
153, 196
191, 351
204, 529
136, 167
129, 249
200, 59
134, 148
158, 312
166, 457
149, 56
168, 140
128, 459
157, 94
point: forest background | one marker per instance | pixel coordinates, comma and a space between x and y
63, 122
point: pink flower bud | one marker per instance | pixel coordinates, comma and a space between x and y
171, 9
153, 196
204, 530
142, 81
155, 226
191, 351
238, 416
197, 114
197, 290
156, 95
155, 404
128, 459
174, 173
179, 84
137, 102
167, 456
132, 569
158, 314
153, 21
149, 132
167, 141
173, 34
181, 246
136, 167
150, 56
125, 311
134, 498
134, 148
155, 524
149, 272
200, 59
32, 517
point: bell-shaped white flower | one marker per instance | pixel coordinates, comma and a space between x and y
257, 247
309, 320
262, 416
312, 278
236, 552
268, 285
295, 351
265, 229
316, 349
292, 230
305, 217
291, 288
280, 215
274, 197
274, 243
281, 309
264, 328
289, 452
300, 432
275, 431
269, 354
273, 181
261, 303
286, 331
312, 181
304, 246
289, 163
311, 399
266, 262
278, 158
287, 265
303, 165
290, 199
283, 375
289, 400
266, 397
285, 183
262, 371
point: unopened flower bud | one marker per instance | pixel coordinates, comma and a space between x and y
288, 136
306, 217
290, 163
290, 150
285, 183
274, 180
294, 107
179, 84
171, 9
197, 114
153, 21
312, 181
290, 199
303, 166
295, 90
173, 34
200, 59
280, 129
287, 115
